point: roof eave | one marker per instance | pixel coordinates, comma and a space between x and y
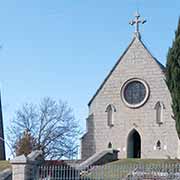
109, 74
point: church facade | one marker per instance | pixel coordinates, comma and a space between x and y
131, 111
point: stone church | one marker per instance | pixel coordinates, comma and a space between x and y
131, 111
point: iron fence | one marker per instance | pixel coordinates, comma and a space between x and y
111, 172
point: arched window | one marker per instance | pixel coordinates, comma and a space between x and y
110, 115
159, 107
158, 145
110, 145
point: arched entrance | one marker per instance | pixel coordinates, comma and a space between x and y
134, 145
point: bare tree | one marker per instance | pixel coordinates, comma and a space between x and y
51, 124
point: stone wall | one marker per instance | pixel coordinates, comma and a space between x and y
87, 141
6, 174
25, 168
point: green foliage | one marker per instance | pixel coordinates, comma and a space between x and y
173, 76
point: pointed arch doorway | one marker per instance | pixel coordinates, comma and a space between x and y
134, 145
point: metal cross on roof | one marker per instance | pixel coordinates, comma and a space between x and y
137, 21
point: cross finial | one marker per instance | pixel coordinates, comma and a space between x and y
137, 21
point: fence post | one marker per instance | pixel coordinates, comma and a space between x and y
19, 167
25, 168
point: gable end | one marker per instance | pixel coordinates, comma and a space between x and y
162, 67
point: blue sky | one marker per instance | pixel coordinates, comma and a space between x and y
65, 48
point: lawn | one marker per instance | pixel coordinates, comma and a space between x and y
122, 168
4, 165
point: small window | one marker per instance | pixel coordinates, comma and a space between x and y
110, 145
159, 107
158, 145
110, 115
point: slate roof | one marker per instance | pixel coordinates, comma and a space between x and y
162, 67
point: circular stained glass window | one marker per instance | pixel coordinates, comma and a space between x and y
135, 93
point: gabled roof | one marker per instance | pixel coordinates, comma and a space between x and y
162, 67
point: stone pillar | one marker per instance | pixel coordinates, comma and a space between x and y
19, 168
25, 168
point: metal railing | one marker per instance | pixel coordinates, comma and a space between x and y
111, 172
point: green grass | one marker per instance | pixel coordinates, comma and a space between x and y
124, 167
4, 165
143, 161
